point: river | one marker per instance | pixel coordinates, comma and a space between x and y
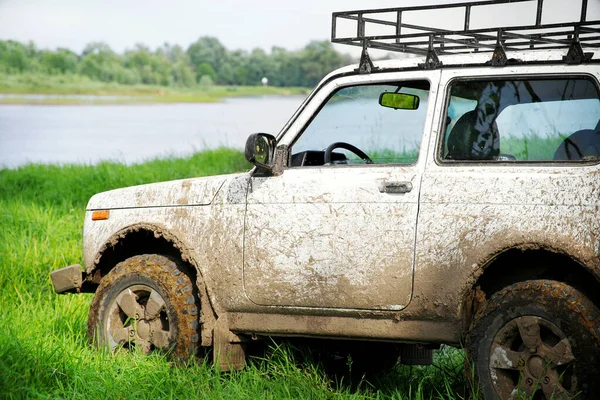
87, 134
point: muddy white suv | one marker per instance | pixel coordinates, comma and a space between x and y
447, 198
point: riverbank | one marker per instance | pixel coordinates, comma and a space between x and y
74, 89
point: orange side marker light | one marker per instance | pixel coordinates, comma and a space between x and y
99, 215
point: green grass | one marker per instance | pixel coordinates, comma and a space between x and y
44, 352
532, 147
31, 83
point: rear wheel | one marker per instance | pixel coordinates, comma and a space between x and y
538, 340
146, 302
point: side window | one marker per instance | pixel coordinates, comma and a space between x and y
366, 124
523, 120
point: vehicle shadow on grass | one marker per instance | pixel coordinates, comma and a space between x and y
373, 373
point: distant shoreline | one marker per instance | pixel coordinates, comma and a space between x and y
122, 96
23, 89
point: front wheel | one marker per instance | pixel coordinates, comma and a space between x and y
537, 339
146, 302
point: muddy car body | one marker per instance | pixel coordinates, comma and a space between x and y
424, 249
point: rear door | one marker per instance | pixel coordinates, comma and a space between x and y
513, 167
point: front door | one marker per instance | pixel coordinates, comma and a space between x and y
335, 230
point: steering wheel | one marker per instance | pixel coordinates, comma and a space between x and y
349, 147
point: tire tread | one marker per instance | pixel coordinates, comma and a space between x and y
170, 275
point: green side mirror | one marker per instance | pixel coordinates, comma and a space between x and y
399, 101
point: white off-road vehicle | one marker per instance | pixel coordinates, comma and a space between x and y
448, 198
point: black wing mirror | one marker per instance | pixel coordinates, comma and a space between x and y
260, 150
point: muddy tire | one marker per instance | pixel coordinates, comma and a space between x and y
537, 339
146, 302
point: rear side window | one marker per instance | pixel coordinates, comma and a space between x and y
525, 120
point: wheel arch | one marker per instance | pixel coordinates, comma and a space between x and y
141, 239
134, 240
527, 262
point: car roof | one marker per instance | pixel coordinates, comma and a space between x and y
475, 59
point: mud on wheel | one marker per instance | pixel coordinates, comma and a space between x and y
537, 339
146, 302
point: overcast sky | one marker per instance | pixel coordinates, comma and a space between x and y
238, 24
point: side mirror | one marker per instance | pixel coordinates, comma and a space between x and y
399, 101
260, 149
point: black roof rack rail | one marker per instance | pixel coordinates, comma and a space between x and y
432, 42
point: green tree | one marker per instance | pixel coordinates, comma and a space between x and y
259, 66
180, 68
153, 67
206, 81
205, 69
207, 50
173, 54
61, 61
13, 56
238, 60
182, 74
171, 65
97, 48
99, 62
316, 60
226, 74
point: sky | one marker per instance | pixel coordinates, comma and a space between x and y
238, 24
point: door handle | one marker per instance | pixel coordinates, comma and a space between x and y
395, 187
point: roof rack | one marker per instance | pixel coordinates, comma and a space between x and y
431, 42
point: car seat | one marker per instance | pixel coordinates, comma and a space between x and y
579, 145
467, 142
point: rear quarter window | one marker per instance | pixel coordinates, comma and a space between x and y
523, 120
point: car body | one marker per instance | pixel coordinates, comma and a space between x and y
402, 251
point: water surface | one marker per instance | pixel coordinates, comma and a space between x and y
136, 132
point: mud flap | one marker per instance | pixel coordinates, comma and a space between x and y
229, 349
67, 279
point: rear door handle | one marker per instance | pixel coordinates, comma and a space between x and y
395, 187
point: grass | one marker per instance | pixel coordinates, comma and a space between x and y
44, 352
69, 85
532, 147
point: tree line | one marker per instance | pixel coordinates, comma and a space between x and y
204, 62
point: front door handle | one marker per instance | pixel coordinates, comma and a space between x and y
395, 187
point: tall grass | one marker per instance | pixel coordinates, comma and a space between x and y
532, 147
44, 351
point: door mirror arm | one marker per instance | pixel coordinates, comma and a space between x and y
280, 160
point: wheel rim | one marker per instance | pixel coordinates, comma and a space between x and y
138, 318
531, 356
